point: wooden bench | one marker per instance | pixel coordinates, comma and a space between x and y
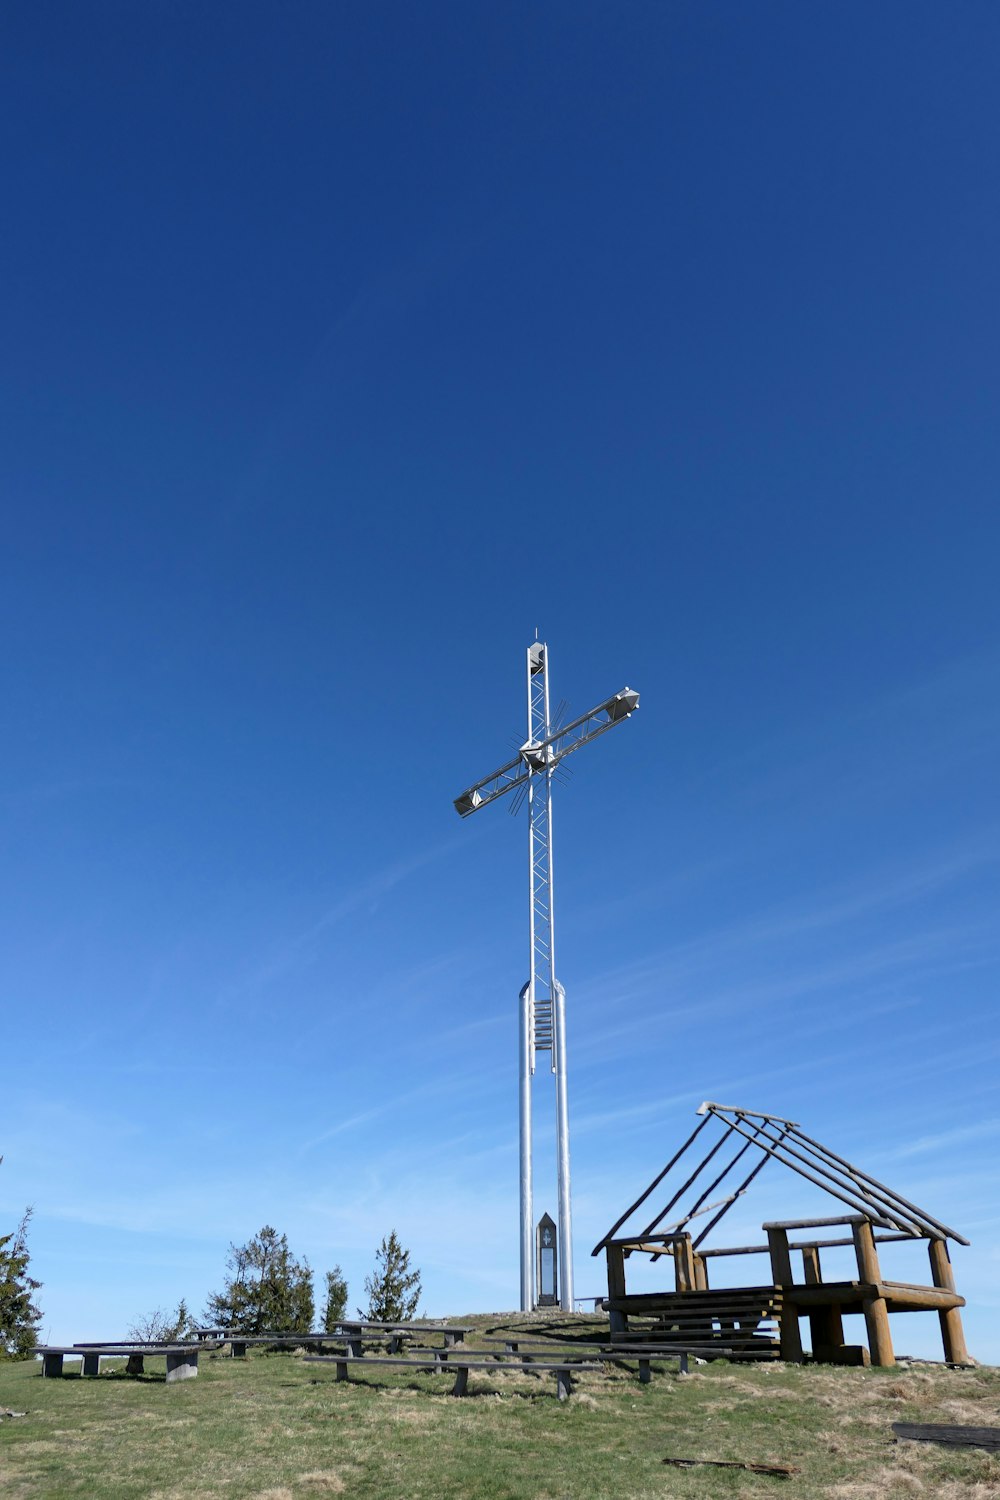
349, 1331
182, 1359
745, 1319
646, 1354
526, 1359
457, 1361
452, 1333
238, 1343
656, 1353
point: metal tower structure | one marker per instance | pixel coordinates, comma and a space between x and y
543, 999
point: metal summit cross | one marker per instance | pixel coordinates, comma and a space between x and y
543, 999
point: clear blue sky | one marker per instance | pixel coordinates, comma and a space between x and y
343, 346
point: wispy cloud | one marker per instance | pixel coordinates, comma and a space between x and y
945, 1139
930, 727
396, 1103
301, 947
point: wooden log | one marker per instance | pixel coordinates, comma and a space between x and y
735, 1250
950, 1319
902, 1298
762, 1307
822, 1223
867, 1255
880, 1239
781, 1270
826, 1326
617, 1317
876, 1316
654, 1244
811, 1269
684, 1273
704, 1299
842, 1354
875, 1310
781, 1260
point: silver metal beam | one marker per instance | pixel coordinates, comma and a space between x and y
542, 1003
524, 1120
547, 754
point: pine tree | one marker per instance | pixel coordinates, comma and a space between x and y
19, 1317
393, 1289
336, 1300
267, 1291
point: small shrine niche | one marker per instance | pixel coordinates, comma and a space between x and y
547, 1262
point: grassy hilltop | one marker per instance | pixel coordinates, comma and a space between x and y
275, 1428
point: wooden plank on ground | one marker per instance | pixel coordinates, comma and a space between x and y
953, 1437
784, 1471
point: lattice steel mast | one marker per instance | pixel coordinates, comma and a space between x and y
543, 999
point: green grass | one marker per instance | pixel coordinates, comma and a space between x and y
273, 1426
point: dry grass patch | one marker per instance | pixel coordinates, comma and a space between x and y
273, 1427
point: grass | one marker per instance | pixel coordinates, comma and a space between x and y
275, 1428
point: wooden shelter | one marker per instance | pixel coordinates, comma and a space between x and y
760, 1322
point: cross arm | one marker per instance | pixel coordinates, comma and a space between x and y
532, 758
492, 787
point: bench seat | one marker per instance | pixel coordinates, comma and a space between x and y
395, 1335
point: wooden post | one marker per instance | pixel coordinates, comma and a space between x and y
876, 1313
781, 1275
811, 1270
952, 1333
684, 1272
826, 1326
700, 1273
617, 1319
864, 1248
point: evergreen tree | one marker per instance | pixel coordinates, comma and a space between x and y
267, 1290
336, 1300
393, 1289
19, 1317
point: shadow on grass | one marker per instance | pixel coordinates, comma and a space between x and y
444, 1389
118, 1377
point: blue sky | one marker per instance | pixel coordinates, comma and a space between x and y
344, 346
